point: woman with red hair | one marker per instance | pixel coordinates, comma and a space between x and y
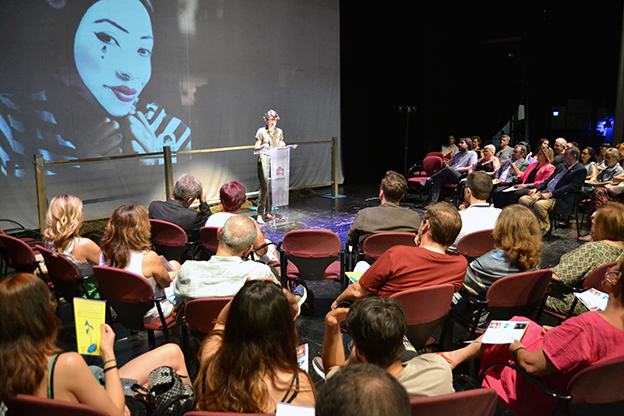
233, 196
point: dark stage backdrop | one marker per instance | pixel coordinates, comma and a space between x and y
85, 79
467, 65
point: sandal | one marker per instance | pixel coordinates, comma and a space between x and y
452, 363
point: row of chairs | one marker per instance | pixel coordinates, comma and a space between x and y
593, 391
480, 402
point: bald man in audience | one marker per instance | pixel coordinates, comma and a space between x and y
403, 267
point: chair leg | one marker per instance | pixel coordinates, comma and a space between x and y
151, 339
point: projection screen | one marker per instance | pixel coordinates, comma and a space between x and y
85, 79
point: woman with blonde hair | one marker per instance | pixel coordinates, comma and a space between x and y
32, 364
607, 246
62, 235
517, 248
249, 362
126, 245
266, 137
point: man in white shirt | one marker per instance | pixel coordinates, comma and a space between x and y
475, 212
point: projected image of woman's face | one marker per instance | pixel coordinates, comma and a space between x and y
112, 49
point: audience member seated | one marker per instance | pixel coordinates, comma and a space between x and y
455, 169
377, 326
449, 149
476, 214
517, 248
562, 187
559, 147
536, 173
249, 362
126, 245
608, 173
504, 152
588, 160
233, 196
387, 217
403, 267
186, 190
607, 247
62, 235
488, 164
33, 365
476, 145
600, 160
554, 355
362, 390
226, 272
506, 174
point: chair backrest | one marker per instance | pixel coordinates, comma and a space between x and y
477, 402
130, 295
200, 313
63, 273
438, 154
476, 244
168, 239
167, 234
595, 277
426, 308
26, 405
209, 238
377, 244
19, 254
598, 390
312, 251
517, 294
432, 164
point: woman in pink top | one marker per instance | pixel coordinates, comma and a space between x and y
554, 355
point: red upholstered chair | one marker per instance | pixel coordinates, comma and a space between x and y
209, 238
63, 274
312, 252
377, 244
514, 295
476, 244
426, 308
26, 405
595, 390
430, 165
201, 313
18, 255
168, 239
592, 280
477, 402
131, 296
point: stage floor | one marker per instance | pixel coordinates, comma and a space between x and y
315, 213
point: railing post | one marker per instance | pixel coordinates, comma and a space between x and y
42, 205
334, 191
168, 172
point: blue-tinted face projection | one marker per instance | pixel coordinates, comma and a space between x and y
113, 49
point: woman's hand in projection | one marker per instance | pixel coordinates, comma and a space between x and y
140, 134
105, 139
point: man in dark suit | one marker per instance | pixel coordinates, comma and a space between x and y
562, 187
176, 210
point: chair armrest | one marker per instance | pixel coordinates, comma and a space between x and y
533, 380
